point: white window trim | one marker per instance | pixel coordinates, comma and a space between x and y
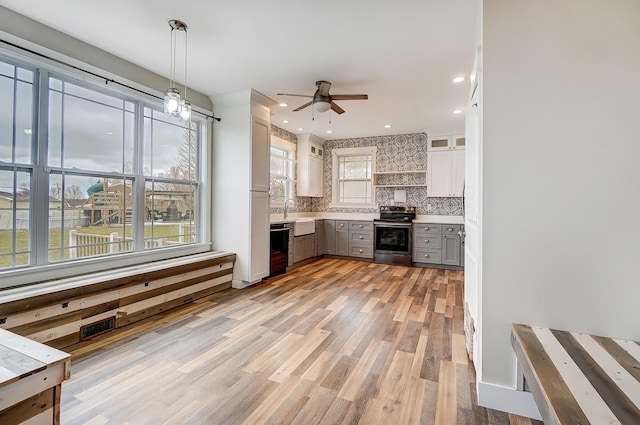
336, 154
35, 274
291, 148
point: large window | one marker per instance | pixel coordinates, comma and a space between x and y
281, 165
353, 169
86, 171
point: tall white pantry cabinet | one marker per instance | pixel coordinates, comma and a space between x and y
240, 192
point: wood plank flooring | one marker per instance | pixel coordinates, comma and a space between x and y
332, 342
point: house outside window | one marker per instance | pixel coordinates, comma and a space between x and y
352, 176
90, 172
281, 167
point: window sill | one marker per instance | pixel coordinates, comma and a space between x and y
38, 274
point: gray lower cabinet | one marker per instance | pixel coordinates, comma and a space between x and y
348, 238
451, 245
437, 244
318, 246
330, 237
361, 239
342, 238
302, 247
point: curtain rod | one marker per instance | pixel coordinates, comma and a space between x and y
106, 80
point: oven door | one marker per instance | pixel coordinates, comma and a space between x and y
392, 243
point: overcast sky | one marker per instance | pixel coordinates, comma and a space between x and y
98, 132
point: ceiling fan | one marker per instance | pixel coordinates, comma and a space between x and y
322, 101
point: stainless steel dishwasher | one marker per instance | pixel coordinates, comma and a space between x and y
279, 248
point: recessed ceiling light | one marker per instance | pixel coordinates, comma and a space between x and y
284, 104
300, 128
387, 126
285, 121
457, 111
458, 79
329, 131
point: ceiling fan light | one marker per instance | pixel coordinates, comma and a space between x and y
322, 106
172, 101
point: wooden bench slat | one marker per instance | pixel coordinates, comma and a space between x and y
577, 378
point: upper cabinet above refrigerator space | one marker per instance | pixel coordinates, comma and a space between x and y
445, 142
310, 166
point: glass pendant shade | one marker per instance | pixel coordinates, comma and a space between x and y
185, 110
172, 102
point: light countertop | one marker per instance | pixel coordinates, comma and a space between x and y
292, 217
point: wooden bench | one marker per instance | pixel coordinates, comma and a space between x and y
577, 378
31, 375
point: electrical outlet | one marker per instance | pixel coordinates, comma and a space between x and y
428, 207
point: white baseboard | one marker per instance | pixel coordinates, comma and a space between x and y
508, 400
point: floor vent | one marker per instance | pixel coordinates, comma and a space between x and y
97, 328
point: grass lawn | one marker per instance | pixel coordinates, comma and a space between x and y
59, 248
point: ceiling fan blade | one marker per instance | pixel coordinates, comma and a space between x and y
323, 88
336, 108
302, 107
349, 97
289, 94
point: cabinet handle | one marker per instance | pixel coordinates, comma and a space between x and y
341, 224
444, 236
450, 229
360, 226
427, 228
426, 255
426, 241
360, 251
361, 237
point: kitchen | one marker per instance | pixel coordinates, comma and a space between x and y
384, 171
407, 154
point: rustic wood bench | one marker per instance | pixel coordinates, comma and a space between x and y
31, 375
576, 378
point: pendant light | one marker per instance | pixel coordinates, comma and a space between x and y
173, 103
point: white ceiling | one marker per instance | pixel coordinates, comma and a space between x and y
402, 53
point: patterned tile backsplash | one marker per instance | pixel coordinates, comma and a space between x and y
402, 152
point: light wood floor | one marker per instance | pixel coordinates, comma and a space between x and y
332, 342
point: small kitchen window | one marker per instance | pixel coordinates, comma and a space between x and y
281, 169
352, 177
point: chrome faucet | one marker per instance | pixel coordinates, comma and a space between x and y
286, 207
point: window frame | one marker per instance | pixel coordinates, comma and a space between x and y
336, 154
290, 149
40, 269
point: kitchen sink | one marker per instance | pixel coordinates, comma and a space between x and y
304, 226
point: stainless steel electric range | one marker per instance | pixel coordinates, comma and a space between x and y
392, 235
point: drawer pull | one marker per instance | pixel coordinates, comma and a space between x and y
361, 237
426, 241
341, 224
427, 228
450, 229
360, 251
444, 236
426, 256
360, 226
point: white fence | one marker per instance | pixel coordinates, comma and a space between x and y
89, 244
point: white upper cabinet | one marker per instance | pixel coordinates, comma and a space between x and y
445, 142
260, 149
310, 167
445, 166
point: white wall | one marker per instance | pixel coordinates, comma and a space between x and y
26, 32
561, 179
